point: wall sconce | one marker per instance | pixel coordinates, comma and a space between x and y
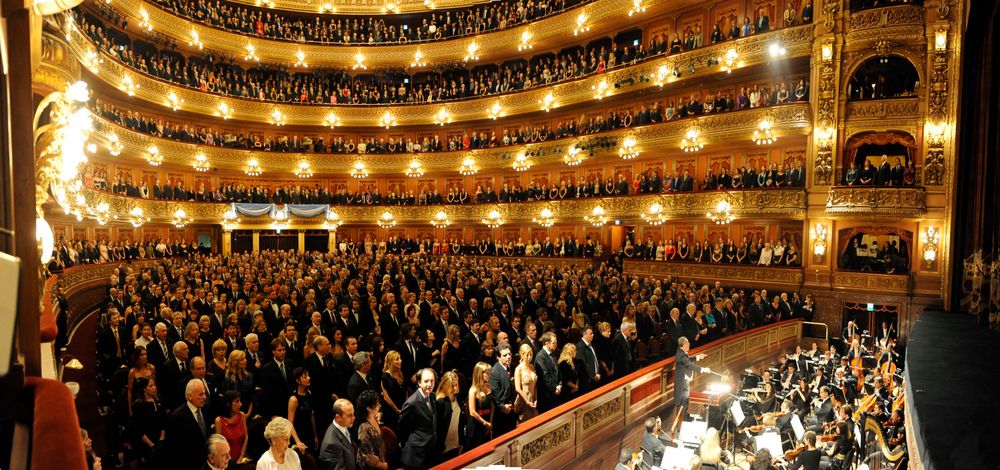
278, 118
525, 43
495, 110
547, 102
418, 59
331, 120
581, 25
387, 220
414, 170
440, 219
493, 219
826, 52
304, 170
941, 40
332, 221
818, 234
546, 218
359, 62
930, 239
824, 136
201, 163
935, 133
472, 52
468, 167
300, 59
251, 53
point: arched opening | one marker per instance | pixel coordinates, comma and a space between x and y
880, 159
875, 249
883, 77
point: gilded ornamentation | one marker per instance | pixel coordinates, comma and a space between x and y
937, 99
875, 201
881, 109
769, 275
826, 109
545, 443
883, 47
874, 282
359, 7
934, 165
603, 412
884, 17
830, 10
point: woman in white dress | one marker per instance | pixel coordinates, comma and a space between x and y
765, 255
279, 456
103, 247
659, 251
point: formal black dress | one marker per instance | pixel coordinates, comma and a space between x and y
477, 432
303, 419
398, 395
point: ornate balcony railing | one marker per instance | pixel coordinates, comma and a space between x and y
734, 274
872, 201
885, 283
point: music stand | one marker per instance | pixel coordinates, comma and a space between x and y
736, 409
770, 441
797, 427
693, 432
676, 457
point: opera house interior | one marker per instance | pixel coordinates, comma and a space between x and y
541, 234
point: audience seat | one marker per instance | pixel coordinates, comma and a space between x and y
641, 351
654, 349
391, 447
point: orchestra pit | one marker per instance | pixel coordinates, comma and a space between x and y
504, 234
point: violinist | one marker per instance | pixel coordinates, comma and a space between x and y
809, 458
840, 451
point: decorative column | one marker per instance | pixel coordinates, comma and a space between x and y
302, 241
256, 241
938, 108
332, 243
227, 242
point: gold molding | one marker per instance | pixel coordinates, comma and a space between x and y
790, 119
753, 50
879, 110
366, 7
601, 413
759, 275
891, 16
892, 283
546, 443
876, 201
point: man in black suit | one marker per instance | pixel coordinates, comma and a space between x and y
159, 349
654, 440
407, 348
323, 375
690, 327
684, 370
672, 327
187, 429
549, 380
218, 454
823, 412
503, 391
418, 422
346, 322
470, 346
590, 376
169, 374
275, 381
621, 350
112, 343
337, 452
360, 380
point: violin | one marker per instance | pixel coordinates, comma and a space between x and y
795, 453
828, 437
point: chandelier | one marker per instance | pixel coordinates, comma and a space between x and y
521, 162
468, 167
495, 110
154, 158
115, 145
278, 118
545, 218
548, 101
304, 170
596, 217
196, 40
137, 217
92, 60
359, 170
655, 215
387, 120
181, 218
722, 214
573, 156
414, 170
493, 219
129, 86
581, 25
627, 150
637, 7
525, 41
440, 220
251, 53
390, 6
729, 62
253, 167
144, 22
472, 52
331, 120
173, 101
279, 219
101, 213
386, 220
762, 135
300, 59
691, 141
332, 221
229, 220
442, 117
418, 59
201, 163
601, 89
225, 112
359, 62
327, 8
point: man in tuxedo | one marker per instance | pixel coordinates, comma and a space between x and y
689, 326
654, 440
418, 422
346, 321
621, 350
160, 348
470, 346
337, 452
590, 376
361, 380
549, 380
407, 348
503, 391
684, 370
672, 327
847, 335
218, 453
187, 429
530, 332
169, 374
275, 381
323, 375
113, 342
822, 412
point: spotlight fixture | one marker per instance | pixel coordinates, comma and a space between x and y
225, 112
129, 85
521, 162
596, 217
387, 120
525, 43
332, 221
173, 101
637, 7
386, 220
581, 25
548, 102
574, 156
137, 217
414, 170
201, 162
331, 120
251, 53
418, 59
495, 110
440, 220
154, 158
627, 150
545, 218
229, 220
722, 214
304, 170
655, 215
442, 117
181, 218
300, 59
762, 134
468, 167
115, 145
359, 62
278, 118
253, 167
691, 141
601, 89
493, 219
359, 170
196, 40
472, 52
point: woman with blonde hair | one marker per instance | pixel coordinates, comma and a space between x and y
239, 379
217, 366
450, 417
525, 384
279, 455
451, 358
307, 348
196, 346
480, 406
393, 388
568, 372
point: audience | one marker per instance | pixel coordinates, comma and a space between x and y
751, 251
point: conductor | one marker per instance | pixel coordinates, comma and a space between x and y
684, 370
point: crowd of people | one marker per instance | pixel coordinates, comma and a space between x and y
326, 87
753, 251
858, 5
884, 175
294, 356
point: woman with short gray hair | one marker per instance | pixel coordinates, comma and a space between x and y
279, 456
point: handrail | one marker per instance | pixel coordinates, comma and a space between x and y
570, 408
826, 329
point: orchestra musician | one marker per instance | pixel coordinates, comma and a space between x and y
851, 331
684, 370
809, 457
790, 377
823, 412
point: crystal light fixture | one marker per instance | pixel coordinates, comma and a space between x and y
418, 59
115, 145
545, 218
101, 213
627, 150
525, 43
818, 235
521, 162
468, 167
331, 120
173, 101
722, 214
129, 85
359, 170
440, 219
144, 22
548, 101
251, 53
386, 220
930, 238
596, 217
181, 218
574, 156
730, 61
303, 170
691, 141
414, 170
332, 221
278, 118
655, 215
201, 162
359, 62
390, 7
493, 219
495, 110
387, 120
300, 59
92, 60
225, 112
137, 217
327, 8
154, 158
581, 24
637, 7
442, 117
762, 134
601, 89
196, 40
253, 167
229, 220
471, 52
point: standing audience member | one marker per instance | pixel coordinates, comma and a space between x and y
550, 388
371, 445
279, 456
503, 391
526, 384
301, 411
219, 454
187, 431
418, 423
337, 450
232, 425
480, 403
451, 419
